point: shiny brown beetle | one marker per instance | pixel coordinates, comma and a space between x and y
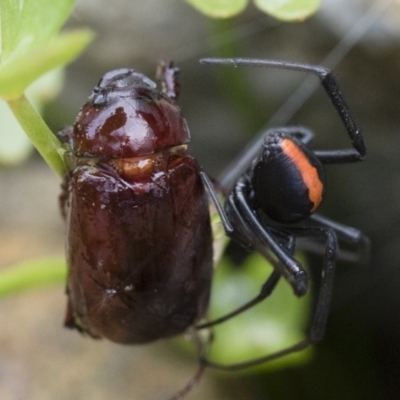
138, 240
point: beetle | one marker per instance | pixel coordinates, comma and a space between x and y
138, 236
138, 239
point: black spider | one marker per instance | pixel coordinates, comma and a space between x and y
275, 200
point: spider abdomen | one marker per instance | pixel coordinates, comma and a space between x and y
287, 180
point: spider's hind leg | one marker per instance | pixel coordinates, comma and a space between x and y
349, 235
321, 311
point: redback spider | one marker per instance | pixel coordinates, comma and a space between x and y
138, 236
274, 202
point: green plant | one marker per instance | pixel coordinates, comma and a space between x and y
32, 46
285, 10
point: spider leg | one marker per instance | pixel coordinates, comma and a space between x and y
241, 233
266, 289
300, 132
348, 234
319, 320
345, 232
246, 237
331, 87
214, 197
288, 266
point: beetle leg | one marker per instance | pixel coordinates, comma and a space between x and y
202, 345
69, 320
167, 73
63, 197
65, 135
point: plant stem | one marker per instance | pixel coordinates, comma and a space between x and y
39, 133
32, 274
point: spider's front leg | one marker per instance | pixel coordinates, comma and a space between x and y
267, 238
236, 228
329, 83
321, 312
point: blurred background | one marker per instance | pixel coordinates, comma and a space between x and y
360, 354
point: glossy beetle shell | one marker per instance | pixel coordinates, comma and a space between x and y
138, 241
127, 116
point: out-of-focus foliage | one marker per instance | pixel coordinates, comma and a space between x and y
32, 46
285, 10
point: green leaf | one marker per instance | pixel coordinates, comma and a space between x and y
26, 24
32, 274
275, 324
21, 71
289, 10
29, 50
219, 8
